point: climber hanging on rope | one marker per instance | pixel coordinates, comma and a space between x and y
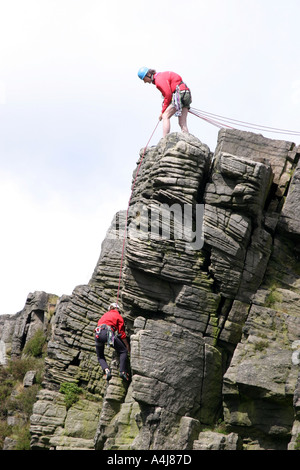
177, 96
111, 330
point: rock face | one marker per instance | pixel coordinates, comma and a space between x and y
210, 291
16, 330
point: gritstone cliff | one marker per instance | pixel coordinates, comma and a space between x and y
214, 323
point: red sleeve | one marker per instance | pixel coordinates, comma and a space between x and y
121, 327
164, 86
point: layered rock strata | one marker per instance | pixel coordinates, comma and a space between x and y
210, 293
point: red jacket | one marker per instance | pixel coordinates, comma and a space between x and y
113, 319
166, 82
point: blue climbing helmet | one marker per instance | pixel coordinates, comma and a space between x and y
143, 72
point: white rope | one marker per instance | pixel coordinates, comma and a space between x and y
221, 121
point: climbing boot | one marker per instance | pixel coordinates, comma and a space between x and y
107, 374
124, 376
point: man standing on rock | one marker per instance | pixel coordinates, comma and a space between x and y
111, 330
177, 96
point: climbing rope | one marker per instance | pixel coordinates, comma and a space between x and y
221, 121
132, 189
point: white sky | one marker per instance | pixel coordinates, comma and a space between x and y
74, 115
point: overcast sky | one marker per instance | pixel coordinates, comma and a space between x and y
74, 115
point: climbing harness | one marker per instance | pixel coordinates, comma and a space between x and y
176, 101
110, 334
177, 97
132, 189
221, 121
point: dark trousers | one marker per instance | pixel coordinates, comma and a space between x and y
119, 346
